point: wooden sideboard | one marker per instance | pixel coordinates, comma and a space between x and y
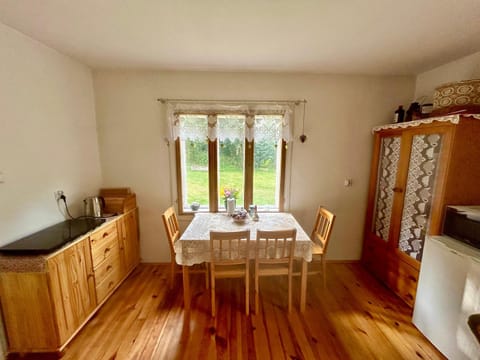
50, 298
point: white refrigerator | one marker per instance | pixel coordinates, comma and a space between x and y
448, 293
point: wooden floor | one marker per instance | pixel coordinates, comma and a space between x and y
353, 318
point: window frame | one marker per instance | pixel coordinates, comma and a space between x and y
213, 172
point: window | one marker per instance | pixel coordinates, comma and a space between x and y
234, 151
231, 158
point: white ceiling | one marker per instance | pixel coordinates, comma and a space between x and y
322, 36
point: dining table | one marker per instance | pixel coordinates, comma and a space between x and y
193, 247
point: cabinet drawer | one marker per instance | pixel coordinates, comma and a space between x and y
107, 266
103, 251
108, 284
98, 238
407, 283
403, 279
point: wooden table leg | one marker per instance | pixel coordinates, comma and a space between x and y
186, 288
303, 286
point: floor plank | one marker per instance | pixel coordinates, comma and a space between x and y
354, 317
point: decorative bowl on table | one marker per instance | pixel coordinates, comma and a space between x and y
240, 216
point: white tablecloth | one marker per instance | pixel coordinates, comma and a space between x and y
193, 247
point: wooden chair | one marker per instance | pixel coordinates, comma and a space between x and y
172, 230
274, 254
320, 236
229, 259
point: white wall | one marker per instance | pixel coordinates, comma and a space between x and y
465, 68
340, 113
48, 137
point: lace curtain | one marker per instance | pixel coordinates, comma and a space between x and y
203, 121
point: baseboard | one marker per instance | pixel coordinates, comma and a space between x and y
343, 261
328, 261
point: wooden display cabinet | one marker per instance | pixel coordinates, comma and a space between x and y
418, 168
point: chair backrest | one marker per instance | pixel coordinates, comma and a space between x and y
275, 246
323, 228
229, 247
172, 228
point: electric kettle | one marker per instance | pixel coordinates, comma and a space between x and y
94, 205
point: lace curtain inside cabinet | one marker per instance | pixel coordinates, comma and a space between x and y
257, 121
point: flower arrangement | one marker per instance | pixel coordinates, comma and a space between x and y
229, 193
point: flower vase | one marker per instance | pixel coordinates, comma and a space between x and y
225, 202
231, 204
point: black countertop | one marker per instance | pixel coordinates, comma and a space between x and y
48, 240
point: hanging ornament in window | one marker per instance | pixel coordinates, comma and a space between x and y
303, 137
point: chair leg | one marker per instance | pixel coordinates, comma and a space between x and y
247, 290
207, 275
303, 285
256, 288
212, 287
324, 271
290, 291
173, 268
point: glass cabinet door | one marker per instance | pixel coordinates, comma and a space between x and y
386, 178
422, 170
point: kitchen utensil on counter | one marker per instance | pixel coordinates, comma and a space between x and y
94, 205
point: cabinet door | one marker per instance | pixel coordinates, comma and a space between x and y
72, 286
385, 167
132, 247
389, 156
129, 246
28, 312
421, 179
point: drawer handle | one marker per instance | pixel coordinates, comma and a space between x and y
109, 267
105, 234
411, 277
110, 284
106, 251
397, 190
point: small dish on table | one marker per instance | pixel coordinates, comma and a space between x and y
240, 216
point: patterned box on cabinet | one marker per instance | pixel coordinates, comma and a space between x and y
457, 96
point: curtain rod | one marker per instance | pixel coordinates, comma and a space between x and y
296, 102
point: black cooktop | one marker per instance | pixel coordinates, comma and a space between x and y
47, 240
